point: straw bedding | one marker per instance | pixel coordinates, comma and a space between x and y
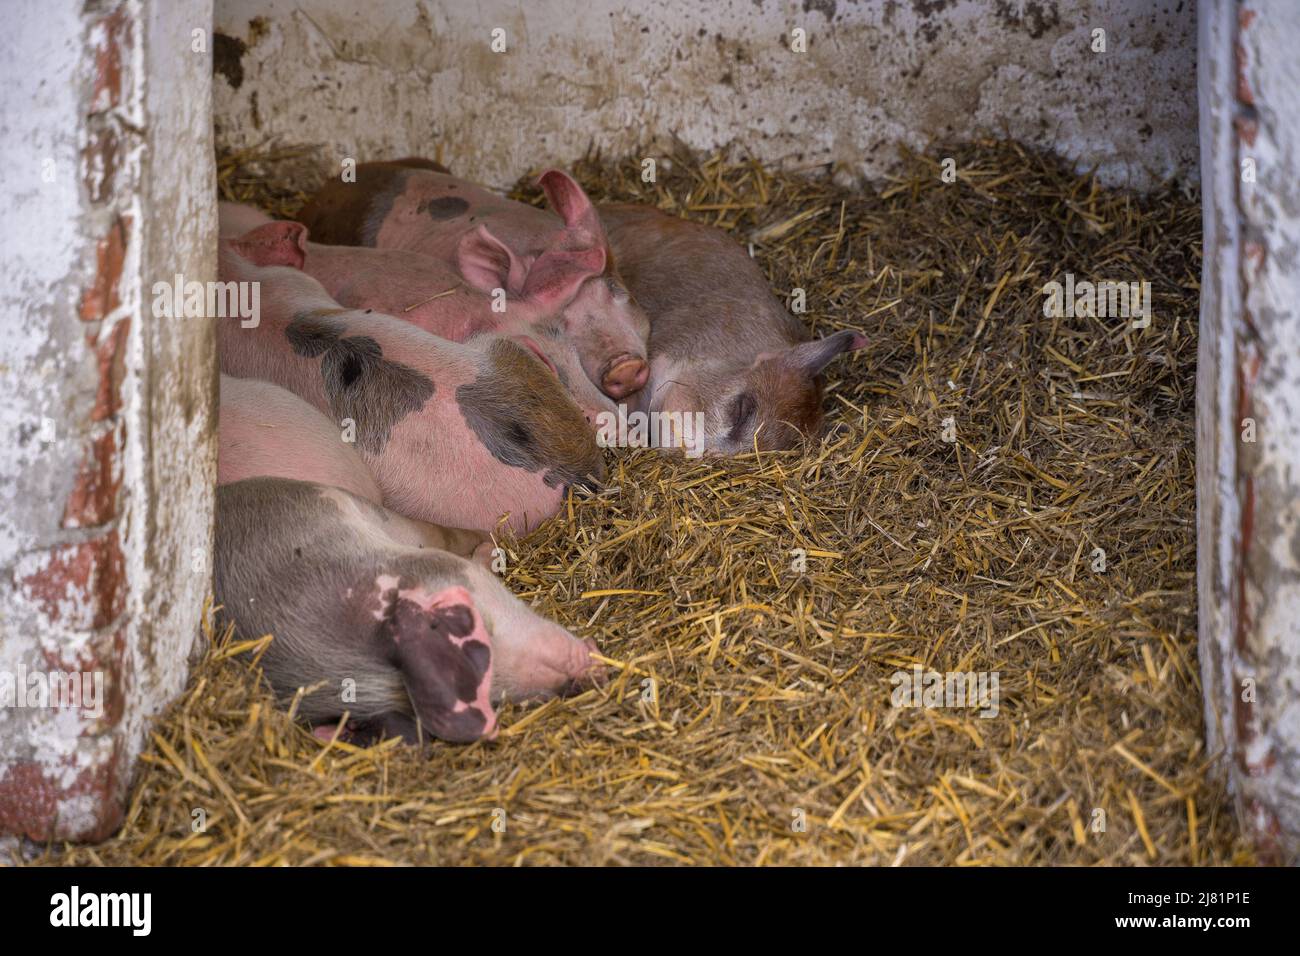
748, 719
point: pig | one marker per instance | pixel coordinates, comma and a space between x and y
265, 431
454, 434
548, 261
429, 642
413, 287
720, 342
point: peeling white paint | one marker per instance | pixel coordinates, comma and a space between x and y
392, 77
1248, 493
158, 162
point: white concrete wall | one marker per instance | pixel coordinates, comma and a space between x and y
1249, 484
106, 413
390, 77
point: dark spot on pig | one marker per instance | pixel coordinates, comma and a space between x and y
350, 214
227, 58
360, 383
439, 673
519, 435
350, 371
372, 391
458, 620
311, 335
525, 419
445, 207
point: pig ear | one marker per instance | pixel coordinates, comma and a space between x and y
567, 198
555, 277
530, 343
812, 357
444, 653
487, 263
277, 243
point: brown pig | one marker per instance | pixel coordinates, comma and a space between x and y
548, 261
407, 641
454, 434
420, 290
720, 342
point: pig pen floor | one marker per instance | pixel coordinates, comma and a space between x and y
749, 719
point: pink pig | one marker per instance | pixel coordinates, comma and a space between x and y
546, 261
454, 434
421, 290
354, 593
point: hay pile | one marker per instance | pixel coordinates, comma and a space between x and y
748, 697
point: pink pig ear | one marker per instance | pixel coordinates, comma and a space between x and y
571, 203
555, 277
812, 357
487, 263
277, 243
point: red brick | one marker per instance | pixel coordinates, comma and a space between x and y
99, 478
82, 585
110, 254
99, 159
30, 797
111, 358
105, 654
115, 38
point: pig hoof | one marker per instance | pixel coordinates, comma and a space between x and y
625, 376
325, 732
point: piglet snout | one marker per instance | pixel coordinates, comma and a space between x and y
591, 672
624, 376
547, 662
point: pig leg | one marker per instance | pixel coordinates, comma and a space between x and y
367, 733
444, 654
461, 542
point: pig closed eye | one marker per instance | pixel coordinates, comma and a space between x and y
741, 413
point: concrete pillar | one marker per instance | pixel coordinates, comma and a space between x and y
107, 413
1248, 411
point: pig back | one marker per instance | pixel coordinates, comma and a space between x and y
704, 294
266, 431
